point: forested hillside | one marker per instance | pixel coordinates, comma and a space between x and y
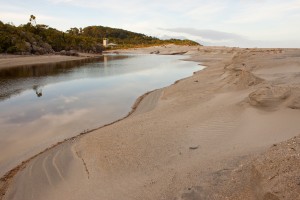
33, 38
125, 39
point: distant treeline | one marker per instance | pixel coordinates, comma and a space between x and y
32, 38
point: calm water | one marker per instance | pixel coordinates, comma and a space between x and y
41, 105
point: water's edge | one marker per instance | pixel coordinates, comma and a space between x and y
6, 179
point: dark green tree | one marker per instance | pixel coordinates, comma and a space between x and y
32, 20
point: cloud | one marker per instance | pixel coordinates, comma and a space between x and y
115, 6
259, 11
21, 16
207, 34
61, 1
220, 38
206, 11
68, 100
167, 37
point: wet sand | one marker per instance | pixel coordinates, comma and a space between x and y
204, 137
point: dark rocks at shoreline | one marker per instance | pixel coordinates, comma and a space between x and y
67, 53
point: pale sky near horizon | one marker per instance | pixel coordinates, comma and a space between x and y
244, 23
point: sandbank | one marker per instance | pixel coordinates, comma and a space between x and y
7, 61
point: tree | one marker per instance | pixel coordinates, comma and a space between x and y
32, 20
73, 31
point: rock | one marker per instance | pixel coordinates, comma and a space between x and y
194, 147
62, 52
73, 53
155, 52
68, 53
47, 48
179, 53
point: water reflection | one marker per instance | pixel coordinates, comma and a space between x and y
41, 105
38, 90
15, 80
105, 59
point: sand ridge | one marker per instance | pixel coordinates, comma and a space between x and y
8, 61
187, 140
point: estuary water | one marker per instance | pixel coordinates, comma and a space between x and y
43, 104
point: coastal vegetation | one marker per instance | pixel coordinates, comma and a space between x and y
33, 38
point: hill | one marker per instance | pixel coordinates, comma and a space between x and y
32, 38
126, 39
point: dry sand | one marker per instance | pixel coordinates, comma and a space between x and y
7, 61
205, 137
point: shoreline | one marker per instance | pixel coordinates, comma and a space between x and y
30, 156
11, 61
11, 173
6, 178
49, 59
176, 90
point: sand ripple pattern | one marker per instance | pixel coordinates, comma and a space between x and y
51, 171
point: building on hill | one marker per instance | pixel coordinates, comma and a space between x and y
105, 42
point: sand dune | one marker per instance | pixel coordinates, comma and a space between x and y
196, 139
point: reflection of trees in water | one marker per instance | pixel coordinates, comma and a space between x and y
18, 79
43, 69
51, 68
38, 90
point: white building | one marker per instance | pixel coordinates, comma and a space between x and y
105, 42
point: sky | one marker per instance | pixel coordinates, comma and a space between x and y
238, 23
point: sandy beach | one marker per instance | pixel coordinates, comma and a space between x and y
230, 131
7, 61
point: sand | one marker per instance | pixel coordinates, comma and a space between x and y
7, 61
215, 135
